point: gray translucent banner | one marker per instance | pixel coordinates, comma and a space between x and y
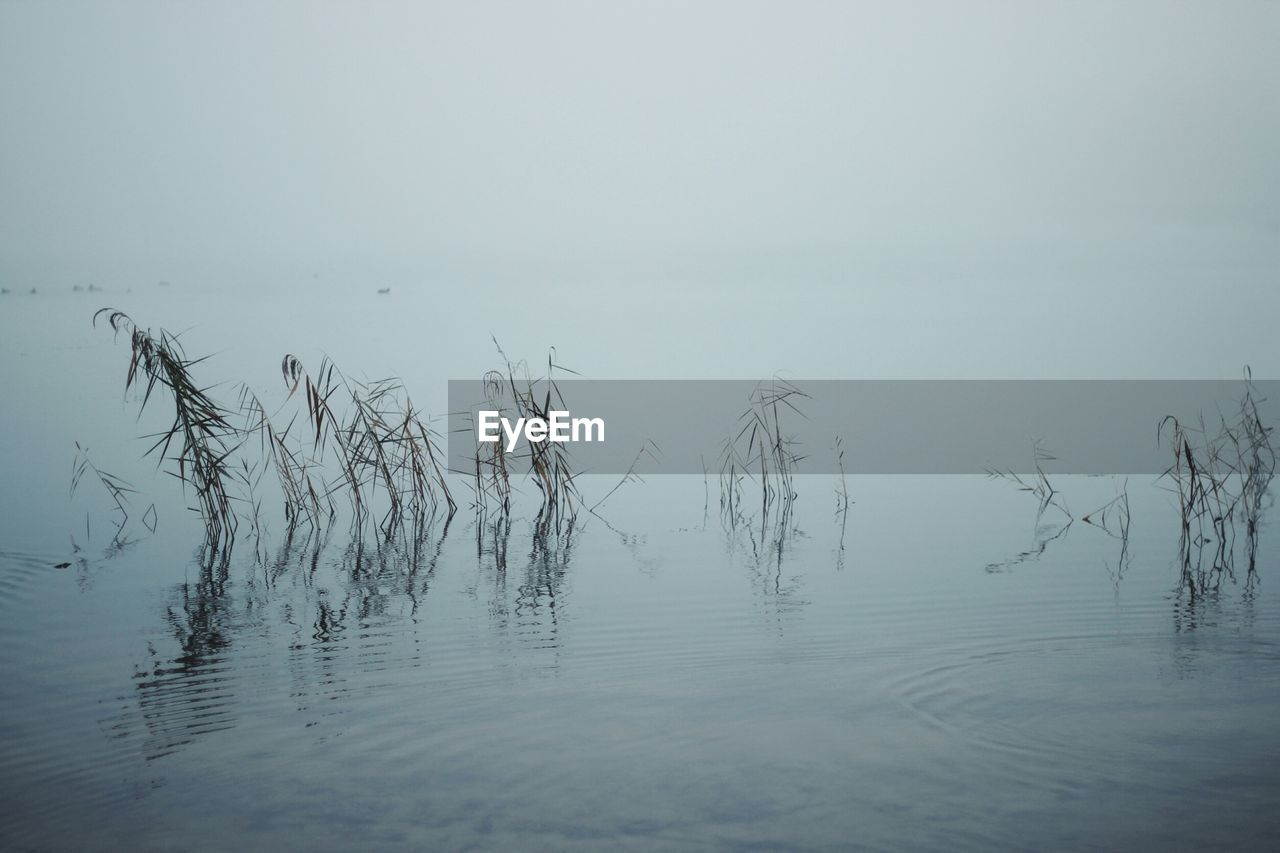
881, 426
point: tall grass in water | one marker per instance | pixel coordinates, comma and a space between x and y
549, 464
119, 490
842, 500
303, 501
762, 451
762, 455
382, 446
1037, 484
387, 455
201, 438
1111, 518
492, 476
365, 444
1220, 478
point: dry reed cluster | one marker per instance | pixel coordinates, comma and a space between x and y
340, 443
1220, 477
386, 455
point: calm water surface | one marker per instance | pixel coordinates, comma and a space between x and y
660, 686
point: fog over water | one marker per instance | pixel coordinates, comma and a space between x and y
710, 190
841, 145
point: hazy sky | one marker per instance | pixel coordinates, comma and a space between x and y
619, 139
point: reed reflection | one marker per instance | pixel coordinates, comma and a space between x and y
192, 693
529, 615
356, 618
341, 612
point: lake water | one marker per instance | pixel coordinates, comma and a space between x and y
942, 670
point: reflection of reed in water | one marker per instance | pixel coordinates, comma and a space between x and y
762, 456
340, 632
1113, 519
536, 611
1054, 519
761, 542
1203, 620
352, 616
192, 694
1052, 503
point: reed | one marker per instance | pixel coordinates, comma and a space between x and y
842, 501
1113, 516
201, 437
1036, 484
302, 499
648, 449
326, 431
492, 482
513, 388
387, 454
337, 439
1220, 477
116, 487
761, 452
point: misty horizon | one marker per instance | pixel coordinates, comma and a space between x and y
853, 144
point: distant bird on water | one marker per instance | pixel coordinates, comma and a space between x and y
384, 290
